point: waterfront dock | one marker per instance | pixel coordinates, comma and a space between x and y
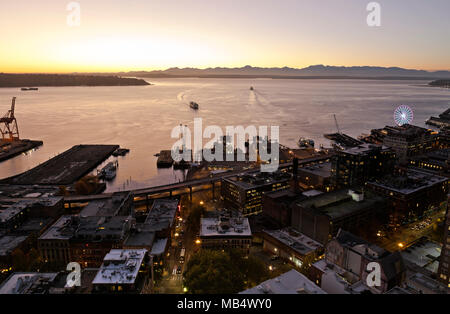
9, 149
66, 168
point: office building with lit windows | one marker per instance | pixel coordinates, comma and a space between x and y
410, 140
357, 165
245, 192
412, 194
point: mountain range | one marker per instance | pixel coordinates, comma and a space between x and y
315, 71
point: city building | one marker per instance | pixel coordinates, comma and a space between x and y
245, 192
291, 282
33, 283
345, 266
291, 246
15, 212
419, 283
357, 165
226, 232
124, 271
411, 194
436, 162
318, 177
10, 244
119, 204
410, 140
85, 240
320, 217
277, 206
424, 254
444, 261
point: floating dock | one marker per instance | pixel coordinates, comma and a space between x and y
165, 159
10, 149
343, 139
66, 168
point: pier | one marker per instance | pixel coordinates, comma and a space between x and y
9, 149
66, 168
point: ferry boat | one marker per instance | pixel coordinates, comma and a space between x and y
109, 171
193, 105
28, 88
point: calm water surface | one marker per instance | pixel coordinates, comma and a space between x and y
141, 118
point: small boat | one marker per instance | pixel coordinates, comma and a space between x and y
193, 105
108, 172
121, 152
305, 143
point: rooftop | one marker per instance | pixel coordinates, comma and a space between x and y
9, 242
297, 241
365, 149
105, 207
322, 170
68, 227
250, 181
120, 267
23, 283
419, 280
407, 131
340, 203
291, 282
413, 181
162, 213
225, 226
424, 254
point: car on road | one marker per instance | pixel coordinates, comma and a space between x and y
179, 270
180, 244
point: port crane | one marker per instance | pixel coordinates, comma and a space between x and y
337, 125
8, 124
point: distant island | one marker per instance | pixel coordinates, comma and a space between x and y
24, 80
311, 72
441, 83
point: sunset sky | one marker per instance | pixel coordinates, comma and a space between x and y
118, 35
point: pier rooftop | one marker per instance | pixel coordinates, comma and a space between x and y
66, 168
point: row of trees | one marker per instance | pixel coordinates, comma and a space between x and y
212, 272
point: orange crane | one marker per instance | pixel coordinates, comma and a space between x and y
8, 124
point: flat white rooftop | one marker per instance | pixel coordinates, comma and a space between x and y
291, 282
227, 227
120, 267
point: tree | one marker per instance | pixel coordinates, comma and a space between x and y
211, 271
230, 271
87, 185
